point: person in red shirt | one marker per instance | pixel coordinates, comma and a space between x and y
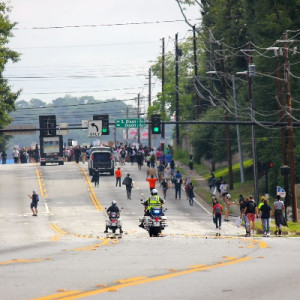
118, 174
152, 182
217, 212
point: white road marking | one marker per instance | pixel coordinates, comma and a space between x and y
47, 208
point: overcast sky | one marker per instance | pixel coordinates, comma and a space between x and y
101, 61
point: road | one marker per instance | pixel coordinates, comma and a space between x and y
64, 254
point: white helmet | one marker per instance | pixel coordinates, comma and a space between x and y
114, 202
154, 192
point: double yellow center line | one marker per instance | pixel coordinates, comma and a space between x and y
92, 192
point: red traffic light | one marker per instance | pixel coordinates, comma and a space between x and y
271, 165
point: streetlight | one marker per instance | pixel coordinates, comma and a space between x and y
251, 73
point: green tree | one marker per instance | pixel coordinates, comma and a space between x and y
7, 97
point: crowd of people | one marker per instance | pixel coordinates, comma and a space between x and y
22, 155
250, 211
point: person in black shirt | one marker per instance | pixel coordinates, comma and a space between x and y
129, 185
96, 177
265, 216
35, 198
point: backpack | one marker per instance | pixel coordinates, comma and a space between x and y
218, 209
251, 207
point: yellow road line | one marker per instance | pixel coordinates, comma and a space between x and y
143, 280
57, 229
40, 183
57, 296
94, 199
92, 247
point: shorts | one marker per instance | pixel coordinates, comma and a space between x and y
33, 204
224, 194
251, 217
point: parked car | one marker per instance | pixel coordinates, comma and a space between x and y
101, 158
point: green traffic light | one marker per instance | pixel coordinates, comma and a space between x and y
104, 129
156, 129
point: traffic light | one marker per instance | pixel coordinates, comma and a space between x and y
155, 124
47, 125
105, 123
267, 165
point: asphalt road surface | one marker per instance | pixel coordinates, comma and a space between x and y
64, 254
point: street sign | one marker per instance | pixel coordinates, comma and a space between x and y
95, 128
65, 130
129, 123
280, 191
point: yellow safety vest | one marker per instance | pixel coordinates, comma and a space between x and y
153, 201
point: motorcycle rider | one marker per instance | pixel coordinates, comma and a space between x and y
153, 201
113, 208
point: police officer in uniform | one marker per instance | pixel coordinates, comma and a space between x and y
153, 201
113, 208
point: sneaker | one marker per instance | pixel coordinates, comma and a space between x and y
105, 231
268, 234
280, 232
34, 215
247, 234
121, 231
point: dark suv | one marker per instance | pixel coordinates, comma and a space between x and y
101, 158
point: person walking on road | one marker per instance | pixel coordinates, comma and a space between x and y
152, 182
190, 192
118, 174
4, 157
265, 217
178, 183
278, 214
15, 155
34, 203
165, 186
77, 154
217, 212
96, 177
129, 185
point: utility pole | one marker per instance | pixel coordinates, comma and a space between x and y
281, 112
228, 144
176, 91
197, 102
211, 86
115, 135
250, 75
149, 104
242, 176
163, 95
138, 115
127, 116
290, 129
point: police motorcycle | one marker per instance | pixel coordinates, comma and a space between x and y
114, 221
154, 220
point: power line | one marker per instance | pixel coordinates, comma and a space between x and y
101, 25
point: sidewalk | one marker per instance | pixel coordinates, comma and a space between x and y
203, 184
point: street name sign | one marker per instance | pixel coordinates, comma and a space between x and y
129, 123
